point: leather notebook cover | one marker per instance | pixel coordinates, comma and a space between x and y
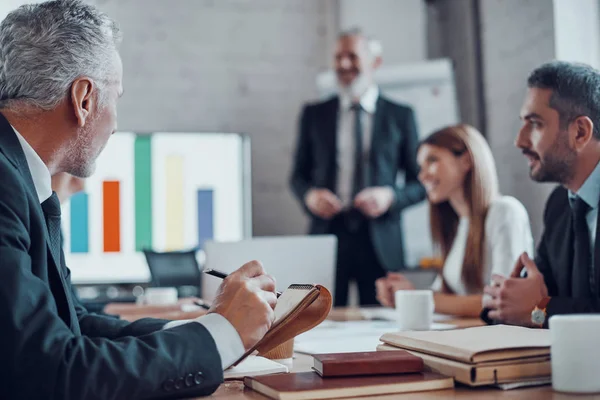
485, 373
299, 309
309, 385
475, 345
367, 363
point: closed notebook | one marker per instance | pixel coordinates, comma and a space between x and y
484, 373
254, 366
475, 345
311, 386
366, 363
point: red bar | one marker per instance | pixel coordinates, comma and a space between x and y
112, 216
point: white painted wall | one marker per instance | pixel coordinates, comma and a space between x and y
577, 31
398, 24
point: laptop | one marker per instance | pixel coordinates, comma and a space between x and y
290, 259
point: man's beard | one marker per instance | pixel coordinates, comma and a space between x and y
357, 88
557, 164
81, 155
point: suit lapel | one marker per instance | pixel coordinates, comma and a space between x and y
376, 132
330, 131
567, 247
11, 147
596, 252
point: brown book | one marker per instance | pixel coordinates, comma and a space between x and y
367, 363
475, 345
484, 373
310, 386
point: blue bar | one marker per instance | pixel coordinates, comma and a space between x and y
79, 223
205, 216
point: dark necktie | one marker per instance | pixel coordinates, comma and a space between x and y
51, 208
583, 284
354, 217
358, 177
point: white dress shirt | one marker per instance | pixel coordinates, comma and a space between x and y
345, 140
507, 236
228, 341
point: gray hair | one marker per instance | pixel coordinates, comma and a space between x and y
45, 47
575, 90
373, 45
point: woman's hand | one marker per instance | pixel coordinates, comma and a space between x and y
389, 285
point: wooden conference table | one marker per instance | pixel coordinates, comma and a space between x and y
235, 390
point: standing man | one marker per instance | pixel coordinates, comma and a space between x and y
60, 79
349, 152
561, 139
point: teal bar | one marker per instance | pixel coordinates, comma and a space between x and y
143, 192
79, 223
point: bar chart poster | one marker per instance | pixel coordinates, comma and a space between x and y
160, 191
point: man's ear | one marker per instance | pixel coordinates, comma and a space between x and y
584, 131
82, 99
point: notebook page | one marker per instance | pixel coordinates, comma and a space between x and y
290, 299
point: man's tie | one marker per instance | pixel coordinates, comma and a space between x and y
354, 217
583, 284
51, 208
358, 177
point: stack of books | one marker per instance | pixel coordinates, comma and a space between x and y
350, 375
486, 355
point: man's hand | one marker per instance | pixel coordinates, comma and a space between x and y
323, 203
246, 298
374, 201
388, 285
513, 299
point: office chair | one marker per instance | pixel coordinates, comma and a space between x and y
177, 269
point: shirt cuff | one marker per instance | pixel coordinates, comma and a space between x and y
228, 341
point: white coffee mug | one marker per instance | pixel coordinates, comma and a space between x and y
575, 353
414, 309
159, 296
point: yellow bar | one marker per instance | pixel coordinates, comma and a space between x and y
174, 174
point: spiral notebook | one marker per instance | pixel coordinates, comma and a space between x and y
299, 308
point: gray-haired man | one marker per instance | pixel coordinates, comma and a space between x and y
349, 153
60, 78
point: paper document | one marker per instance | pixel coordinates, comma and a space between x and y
347, 336
254, 366
524, 383
390, 314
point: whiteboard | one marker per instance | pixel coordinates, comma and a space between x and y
428, 87
165, 191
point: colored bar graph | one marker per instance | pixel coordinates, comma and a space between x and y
205, 216
174, 202
143, 192
112, 215
79, 223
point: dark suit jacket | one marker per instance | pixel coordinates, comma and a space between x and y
51, 348
393, 149
555, 259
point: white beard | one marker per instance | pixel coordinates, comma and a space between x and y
356, 89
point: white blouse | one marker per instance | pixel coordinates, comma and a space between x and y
507, 235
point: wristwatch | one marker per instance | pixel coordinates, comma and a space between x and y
538, 315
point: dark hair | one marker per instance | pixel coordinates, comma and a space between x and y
575, 90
